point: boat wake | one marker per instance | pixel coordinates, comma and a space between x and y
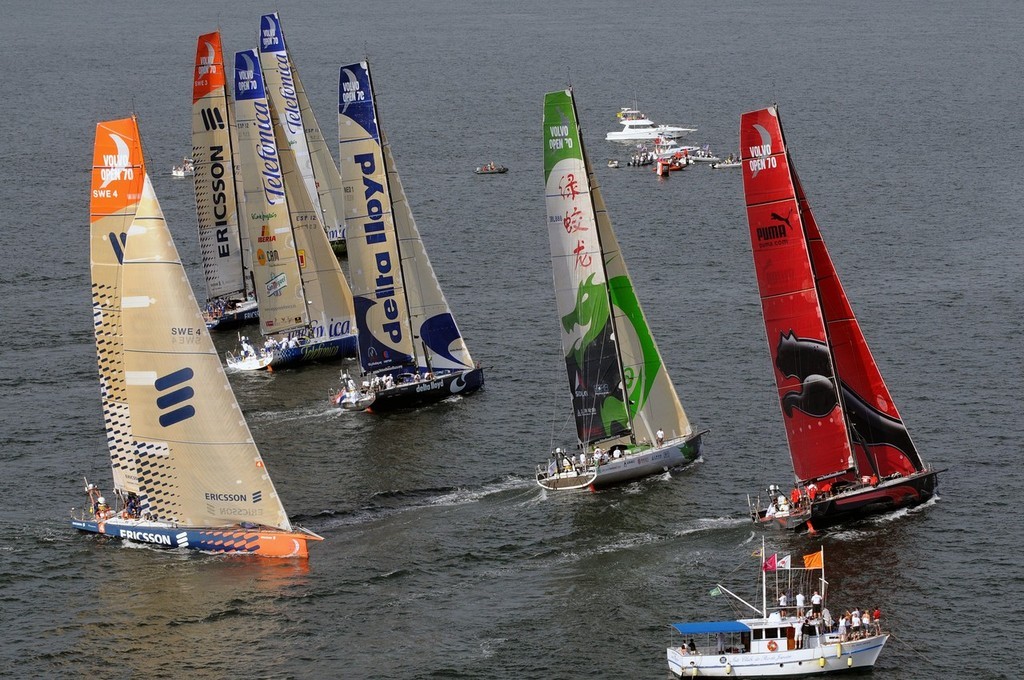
711, 524
389, 503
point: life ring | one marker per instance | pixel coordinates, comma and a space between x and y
772, 645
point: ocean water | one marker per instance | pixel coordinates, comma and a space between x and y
443, 559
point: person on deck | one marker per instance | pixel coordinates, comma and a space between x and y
876, 616
691, 646
799, 604
659, 436
816, 602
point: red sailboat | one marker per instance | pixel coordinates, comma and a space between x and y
852, 454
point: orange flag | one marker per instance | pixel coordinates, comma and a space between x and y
814, 560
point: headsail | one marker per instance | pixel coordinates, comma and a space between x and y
196, 461
832, 395
581, 281
118, 169
275, 263
313, 156
223, 245
382, 309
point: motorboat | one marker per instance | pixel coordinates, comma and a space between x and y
637, 127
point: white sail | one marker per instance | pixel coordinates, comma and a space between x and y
275, 263
651, 395
117, 177
197, 464
328, 297
312, 155
441, 345
224, 251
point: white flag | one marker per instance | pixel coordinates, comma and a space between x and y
783, 563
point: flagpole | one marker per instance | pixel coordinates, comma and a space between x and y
764, 583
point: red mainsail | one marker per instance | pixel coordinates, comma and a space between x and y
840, 418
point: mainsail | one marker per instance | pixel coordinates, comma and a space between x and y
223, 245
276, 261
402, 315
312, 154
195, 459
840, 418
117, 178
620, 389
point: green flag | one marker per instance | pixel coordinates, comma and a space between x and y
716, 591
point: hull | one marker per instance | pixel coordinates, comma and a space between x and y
327, 350
855, 504
832, 658
420, 393
247, 313
491, 171
263, 541
655, 461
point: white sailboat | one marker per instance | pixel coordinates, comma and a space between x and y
629, 420
223, 245
306, 309
313, 156
186, 471
795, 639
410, 349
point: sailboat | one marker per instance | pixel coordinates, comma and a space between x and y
784, 642
223, 245
186, 471
852, 454
312, 154
410, 349
629, 421
306, 308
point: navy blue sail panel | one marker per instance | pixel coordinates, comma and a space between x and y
711, 627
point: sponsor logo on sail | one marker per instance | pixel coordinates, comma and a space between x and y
219, 198
775, 232
761, 154
350, 90
173, 402
276, 286
212, 118
117, 166
377, 239
207, 64
227, 497
292, 116
266, 236
266, 149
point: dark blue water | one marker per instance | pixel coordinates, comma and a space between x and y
443, 559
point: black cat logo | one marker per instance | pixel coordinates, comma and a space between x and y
811, 363
808, 361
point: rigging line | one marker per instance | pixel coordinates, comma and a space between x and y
907, 645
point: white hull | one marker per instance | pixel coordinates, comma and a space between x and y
627, 468
648, 135
817, 660
250, 363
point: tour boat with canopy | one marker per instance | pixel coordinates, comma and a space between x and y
186, 472
851, 451
629, 420
795, 639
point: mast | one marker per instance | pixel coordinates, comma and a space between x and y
591, 180
764, 583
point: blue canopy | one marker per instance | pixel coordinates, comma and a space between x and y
711, 627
